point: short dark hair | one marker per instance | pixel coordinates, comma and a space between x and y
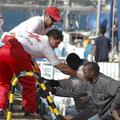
74, 61
102, 30
93, 66
55, 33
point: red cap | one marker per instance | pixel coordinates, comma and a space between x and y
53, 12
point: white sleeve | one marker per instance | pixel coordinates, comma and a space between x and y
50, 55
53, 59
31, 25
80, 73
34, 27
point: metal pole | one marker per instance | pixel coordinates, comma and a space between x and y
113, 19
67, 12
98, 16
118, 15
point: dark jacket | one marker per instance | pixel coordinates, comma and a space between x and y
106, 94
103, 47
78, 89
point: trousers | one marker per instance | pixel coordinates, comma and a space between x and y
13, 60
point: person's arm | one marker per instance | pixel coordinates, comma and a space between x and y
115, 107
94, 50
109, 46
67, 70
116, 114
73, 92
55, 61
92, 54
71, 88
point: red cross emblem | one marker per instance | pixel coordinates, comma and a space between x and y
35, 36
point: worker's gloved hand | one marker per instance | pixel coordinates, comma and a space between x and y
53, 83
50, 82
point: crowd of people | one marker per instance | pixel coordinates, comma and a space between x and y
96, 96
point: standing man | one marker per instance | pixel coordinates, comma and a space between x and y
16, 55
102, 47
39, 24
105, 92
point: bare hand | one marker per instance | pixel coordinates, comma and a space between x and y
67, 117
116, 115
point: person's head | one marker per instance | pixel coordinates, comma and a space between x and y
91, 71
74, 61
102, 30
55, 37
51, 15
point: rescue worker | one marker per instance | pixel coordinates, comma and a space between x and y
39, 24
16, 55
